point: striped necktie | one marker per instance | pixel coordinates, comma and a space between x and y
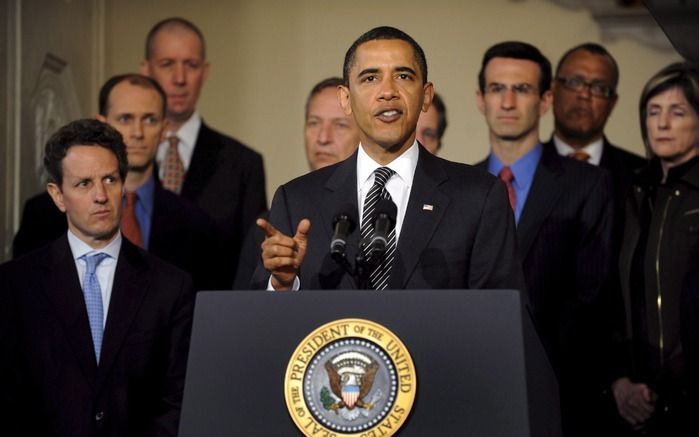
93, 300
378, 277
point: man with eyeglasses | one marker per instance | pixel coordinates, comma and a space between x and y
560, 207
584, 95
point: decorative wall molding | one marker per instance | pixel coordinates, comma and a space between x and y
9, 210
623, 19
53, 103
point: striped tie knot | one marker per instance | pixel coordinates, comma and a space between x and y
382, 175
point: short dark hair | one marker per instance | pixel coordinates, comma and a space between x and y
85, 132
681, 75
518, 50
595, 49
331, 82
133, 79
384, 32
438, 104
171, 24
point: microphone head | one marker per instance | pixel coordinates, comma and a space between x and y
387, 209
345, 220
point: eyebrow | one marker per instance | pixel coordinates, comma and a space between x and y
374, 70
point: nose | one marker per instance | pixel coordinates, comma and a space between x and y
388, 89
664, 120
585, 92
508, 99
325, 134
179, 76
100, 192
137, 129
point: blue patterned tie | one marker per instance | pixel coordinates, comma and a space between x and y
93, 300
378, 277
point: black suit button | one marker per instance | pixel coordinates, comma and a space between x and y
99, 416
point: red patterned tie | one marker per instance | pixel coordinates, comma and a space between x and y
579, 155
507, 177
173, 170
129, 225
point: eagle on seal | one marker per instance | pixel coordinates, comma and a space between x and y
351, 379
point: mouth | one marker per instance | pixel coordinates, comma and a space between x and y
102, 213
389, 115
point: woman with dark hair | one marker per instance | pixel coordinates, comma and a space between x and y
660, 249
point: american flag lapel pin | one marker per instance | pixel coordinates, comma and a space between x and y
426, 207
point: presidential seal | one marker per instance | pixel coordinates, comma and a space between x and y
350, 377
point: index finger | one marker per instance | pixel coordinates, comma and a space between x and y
267, 227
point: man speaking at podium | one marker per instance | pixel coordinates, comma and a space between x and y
447, 225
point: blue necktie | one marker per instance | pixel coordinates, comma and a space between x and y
93, 300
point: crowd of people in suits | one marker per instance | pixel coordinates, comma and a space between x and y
147, 204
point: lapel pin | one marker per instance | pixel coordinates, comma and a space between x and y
426, 207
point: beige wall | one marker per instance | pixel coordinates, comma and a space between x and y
267, 54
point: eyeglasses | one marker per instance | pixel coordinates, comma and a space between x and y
578, 84
523, 89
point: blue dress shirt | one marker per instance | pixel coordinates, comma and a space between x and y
523, 170
144, 208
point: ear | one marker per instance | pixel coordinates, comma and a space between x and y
612, 103
56, 195
101, 118
144, 68
480, 101
166, 124
428, 90
343, 95
206, 68
545, 104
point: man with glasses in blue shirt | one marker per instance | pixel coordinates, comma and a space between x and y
561, 210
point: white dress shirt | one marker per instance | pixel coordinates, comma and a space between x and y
592, 149
105, 270
398, 186
187, 135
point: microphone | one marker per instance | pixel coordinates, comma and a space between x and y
384, 222
343, 225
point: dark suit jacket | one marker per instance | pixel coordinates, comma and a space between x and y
466, 240
564, 236
52, 383
621, 165
226, 179
180, 234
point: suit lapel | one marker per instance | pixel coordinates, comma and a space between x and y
130, 286
419, 223
203, 164
543, 195
340, 196
61, 286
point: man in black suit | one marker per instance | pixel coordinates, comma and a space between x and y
94, 331
218, 173
584, 95
165, 224
451, 226
563, 213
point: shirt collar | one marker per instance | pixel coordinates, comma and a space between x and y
523, 169
80, 248
404, 165
593, 149
187, 133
